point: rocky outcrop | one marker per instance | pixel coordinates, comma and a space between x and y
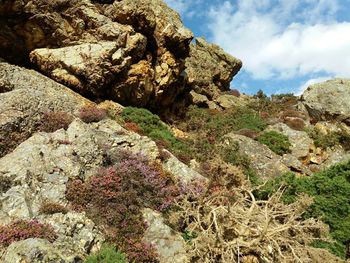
266, 163
301, 143
25, 96
329, 100
38, 170
130, 51
209, 69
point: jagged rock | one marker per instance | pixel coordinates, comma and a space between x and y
154, 19
180, 171
87, 68
130, 51
334, 156
230, 101
295, 165
37, 250
329, 100
209, 69
198, 99
26, 95
301, 143
169, 245
266, 163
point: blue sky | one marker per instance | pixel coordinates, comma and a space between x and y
285, 45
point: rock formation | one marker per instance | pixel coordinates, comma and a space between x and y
329, 100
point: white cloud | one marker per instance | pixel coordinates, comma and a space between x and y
304, 86
181, 6
282, 38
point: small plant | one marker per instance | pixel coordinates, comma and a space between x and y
295, 123
50, 208
22, 229
54, 120
248, 133
277, 142
132, 126
107, 254
90, 113
234, 92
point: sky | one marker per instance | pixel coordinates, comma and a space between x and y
285, 45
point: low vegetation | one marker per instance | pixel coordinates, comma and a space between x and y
277, 142
91, 113
22, 229
50, 208
107, 254
54, 120
115, 196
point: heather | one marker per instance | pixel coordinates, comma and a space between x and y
91, 113
24, 229
115, 196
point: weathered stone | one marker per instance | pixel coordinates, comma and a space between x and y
169, 245
30, 95
209, 69
329, 100
266, 163
87, 68
230, 101
154, 19
301, 143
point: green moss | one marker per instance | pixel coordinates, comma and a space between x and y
277, 142
107, 254
330, 190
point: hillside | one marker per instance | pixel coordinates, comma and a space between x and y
121, 141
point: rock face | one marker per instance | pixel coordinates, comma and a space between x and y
170, 245
130, 51
209, 69
329, 100
266, 163
25, 95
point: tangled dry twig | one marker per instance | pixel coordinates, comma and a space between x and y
232, 226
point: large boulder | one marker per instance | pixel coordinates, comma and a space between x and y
265, 162
210, 69
24, 96
329, 100
129, 51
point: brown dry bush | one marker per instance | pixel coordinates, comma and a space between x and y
49, 208
232, 226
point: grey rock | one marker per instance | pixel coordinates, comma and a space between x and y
181, 171
30, 94
329, 100
169, 245
266, 163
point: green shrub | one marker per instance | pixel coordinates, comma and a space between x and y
331, 192
218, 124
152, 126
324, 141
277, 142
107, 254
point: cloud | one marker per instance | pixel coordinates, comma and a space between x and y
181, 6
283, 39
310, 82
